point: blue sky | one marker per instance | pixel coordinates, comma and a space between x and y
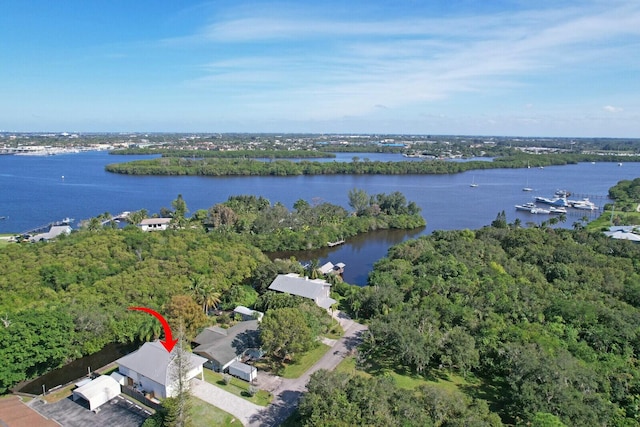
503, 67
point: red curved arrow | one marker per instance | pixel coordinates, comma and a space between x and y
168, 342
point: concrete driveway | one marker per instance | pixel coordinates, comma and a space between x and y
289, 391
240, 408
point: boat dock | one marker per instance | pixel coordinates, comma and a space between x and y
336, 243
122, 216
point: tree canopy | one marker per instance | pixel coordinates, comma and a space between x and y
550, 317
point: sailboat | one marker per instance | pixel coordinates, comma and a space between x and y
527, 188
473, 182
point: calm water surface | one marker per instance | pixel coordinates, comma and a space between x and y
33, 193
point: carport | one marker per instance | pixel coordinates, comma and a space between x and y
98, 391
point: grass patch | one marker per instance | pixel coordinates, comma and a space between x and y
307, 360
619, 217
59, 394
335, 331
206, 415
4, 241
348, 366
470, 385
238, 387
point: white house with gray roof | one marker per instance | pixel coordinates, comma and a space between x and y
154, 224
316, 289
150, 369
54, 231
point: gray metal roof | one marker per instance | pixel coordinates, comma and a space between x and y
148, 221
326, 268
152, 360
242, 367
293, 284
225, 348
314, 289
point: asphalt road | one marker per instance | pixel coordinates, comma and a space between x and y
289, 391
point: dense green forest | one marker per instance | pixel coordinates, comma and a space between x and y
246, 167
68, 298
548, 319
272, 227
626, 194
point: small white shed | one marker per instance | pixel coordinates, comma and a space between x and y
243, 371
97, 392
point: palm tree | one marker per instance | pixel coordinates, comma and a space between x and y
312, 269
208, 297
149, 329
204, 292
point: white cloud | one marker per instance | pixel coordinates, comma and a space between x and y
612, 109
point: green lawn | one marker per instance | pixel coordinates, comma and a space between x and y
336, 331
470, 385
604, 220
307, 360
4, 241
238, 387
206, 415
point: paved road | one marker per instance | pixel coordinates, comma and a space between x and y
288, 392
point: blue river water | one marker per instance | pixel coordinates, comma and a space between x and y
37, 190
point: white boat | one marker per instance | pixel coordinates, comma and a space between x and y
473, 183
540, 211
526, 207
557, 201
584, 204
556, 210
527, 189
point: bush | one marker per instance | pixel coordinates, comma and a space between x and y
252, 390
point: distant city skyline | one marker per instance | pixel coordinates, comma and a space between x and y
460, 67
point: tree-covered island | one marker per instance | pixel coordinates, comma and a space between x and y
177, 166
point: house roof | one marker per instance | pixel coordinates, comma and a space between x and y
326, 268
315, 289
15, 413
152, 360
241, 309
242, 367
53, 232
225, 348
150, 221
622, 235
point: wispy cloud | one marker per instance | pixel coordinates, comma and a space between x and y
321, 68
612, 109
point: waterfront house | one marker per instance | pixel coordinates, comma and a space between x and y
329, 268
316, 289
54, 231
222, 347
624, 232
154, 224
151, 369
